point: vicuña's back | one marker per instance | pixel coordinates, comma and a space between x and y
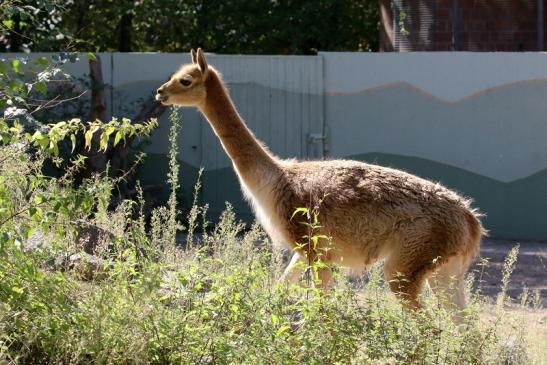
422, 229
373, 212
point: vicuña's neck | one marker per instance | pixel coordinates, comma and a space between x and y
249, 156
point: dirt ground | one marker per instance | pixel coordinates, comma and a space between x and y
530, 269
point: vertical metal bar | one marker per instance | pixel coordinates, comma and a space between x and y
432, 27
540, 25
396, 30
455, 25
111, 87
323, 111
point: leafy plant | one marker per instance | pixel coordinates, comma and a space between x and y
143, 296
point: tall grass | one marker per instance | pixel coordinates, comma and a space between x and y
217, 300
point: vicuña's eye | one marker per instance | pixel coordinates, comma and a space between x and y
185, 82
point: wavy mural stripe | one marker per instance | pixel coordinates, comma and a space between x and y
499, 134
418, 90
447, 75
373, 120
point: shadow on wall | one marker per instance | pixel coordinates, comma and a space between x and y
511, 208
218, 186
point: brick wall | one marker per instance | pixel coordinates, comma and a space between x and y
482, 25
498, 25
442, 26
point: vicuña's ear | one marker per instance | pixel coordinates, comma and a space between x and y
193, 55
202, 62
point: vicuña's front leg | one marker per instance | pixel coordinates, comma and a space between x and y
294, 269
296, 266
326, 280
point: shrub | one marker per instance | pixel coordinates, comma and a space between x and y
138, 296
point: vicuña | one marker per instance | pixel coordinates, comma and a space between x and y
421, 229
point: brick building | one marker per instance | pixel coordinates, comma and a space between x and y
462, 25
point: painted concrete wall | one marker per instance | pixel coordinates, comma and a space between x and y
477, 122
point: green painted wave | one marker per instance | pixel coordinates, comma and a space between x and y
513, 210
517, 209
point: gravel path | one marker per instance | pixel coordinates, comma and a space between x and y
530, 269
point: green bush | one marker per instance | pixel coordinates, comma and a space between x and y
144, 293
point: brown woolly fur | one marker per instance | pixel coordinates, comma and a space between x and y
421, 229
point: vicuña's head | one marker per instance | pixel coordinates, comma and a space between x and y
187, 85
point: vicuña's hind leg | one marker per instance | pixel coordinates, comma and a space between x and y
448, 283
405, 281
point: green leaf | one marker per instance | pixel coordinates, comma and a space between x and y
302, 211
57, 206
16, 66
16, 85
280, 330
17, 289
42, 61
118, 138
8, 23
275, 319
41, 87
91, 56
110, 130
89, 136
39, 199
103, 144
60, 124
35, 212
73, 140
234, 308
54, 148
42, 140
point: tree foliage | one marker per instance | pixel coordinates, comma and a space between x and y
223, 26
32, 25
